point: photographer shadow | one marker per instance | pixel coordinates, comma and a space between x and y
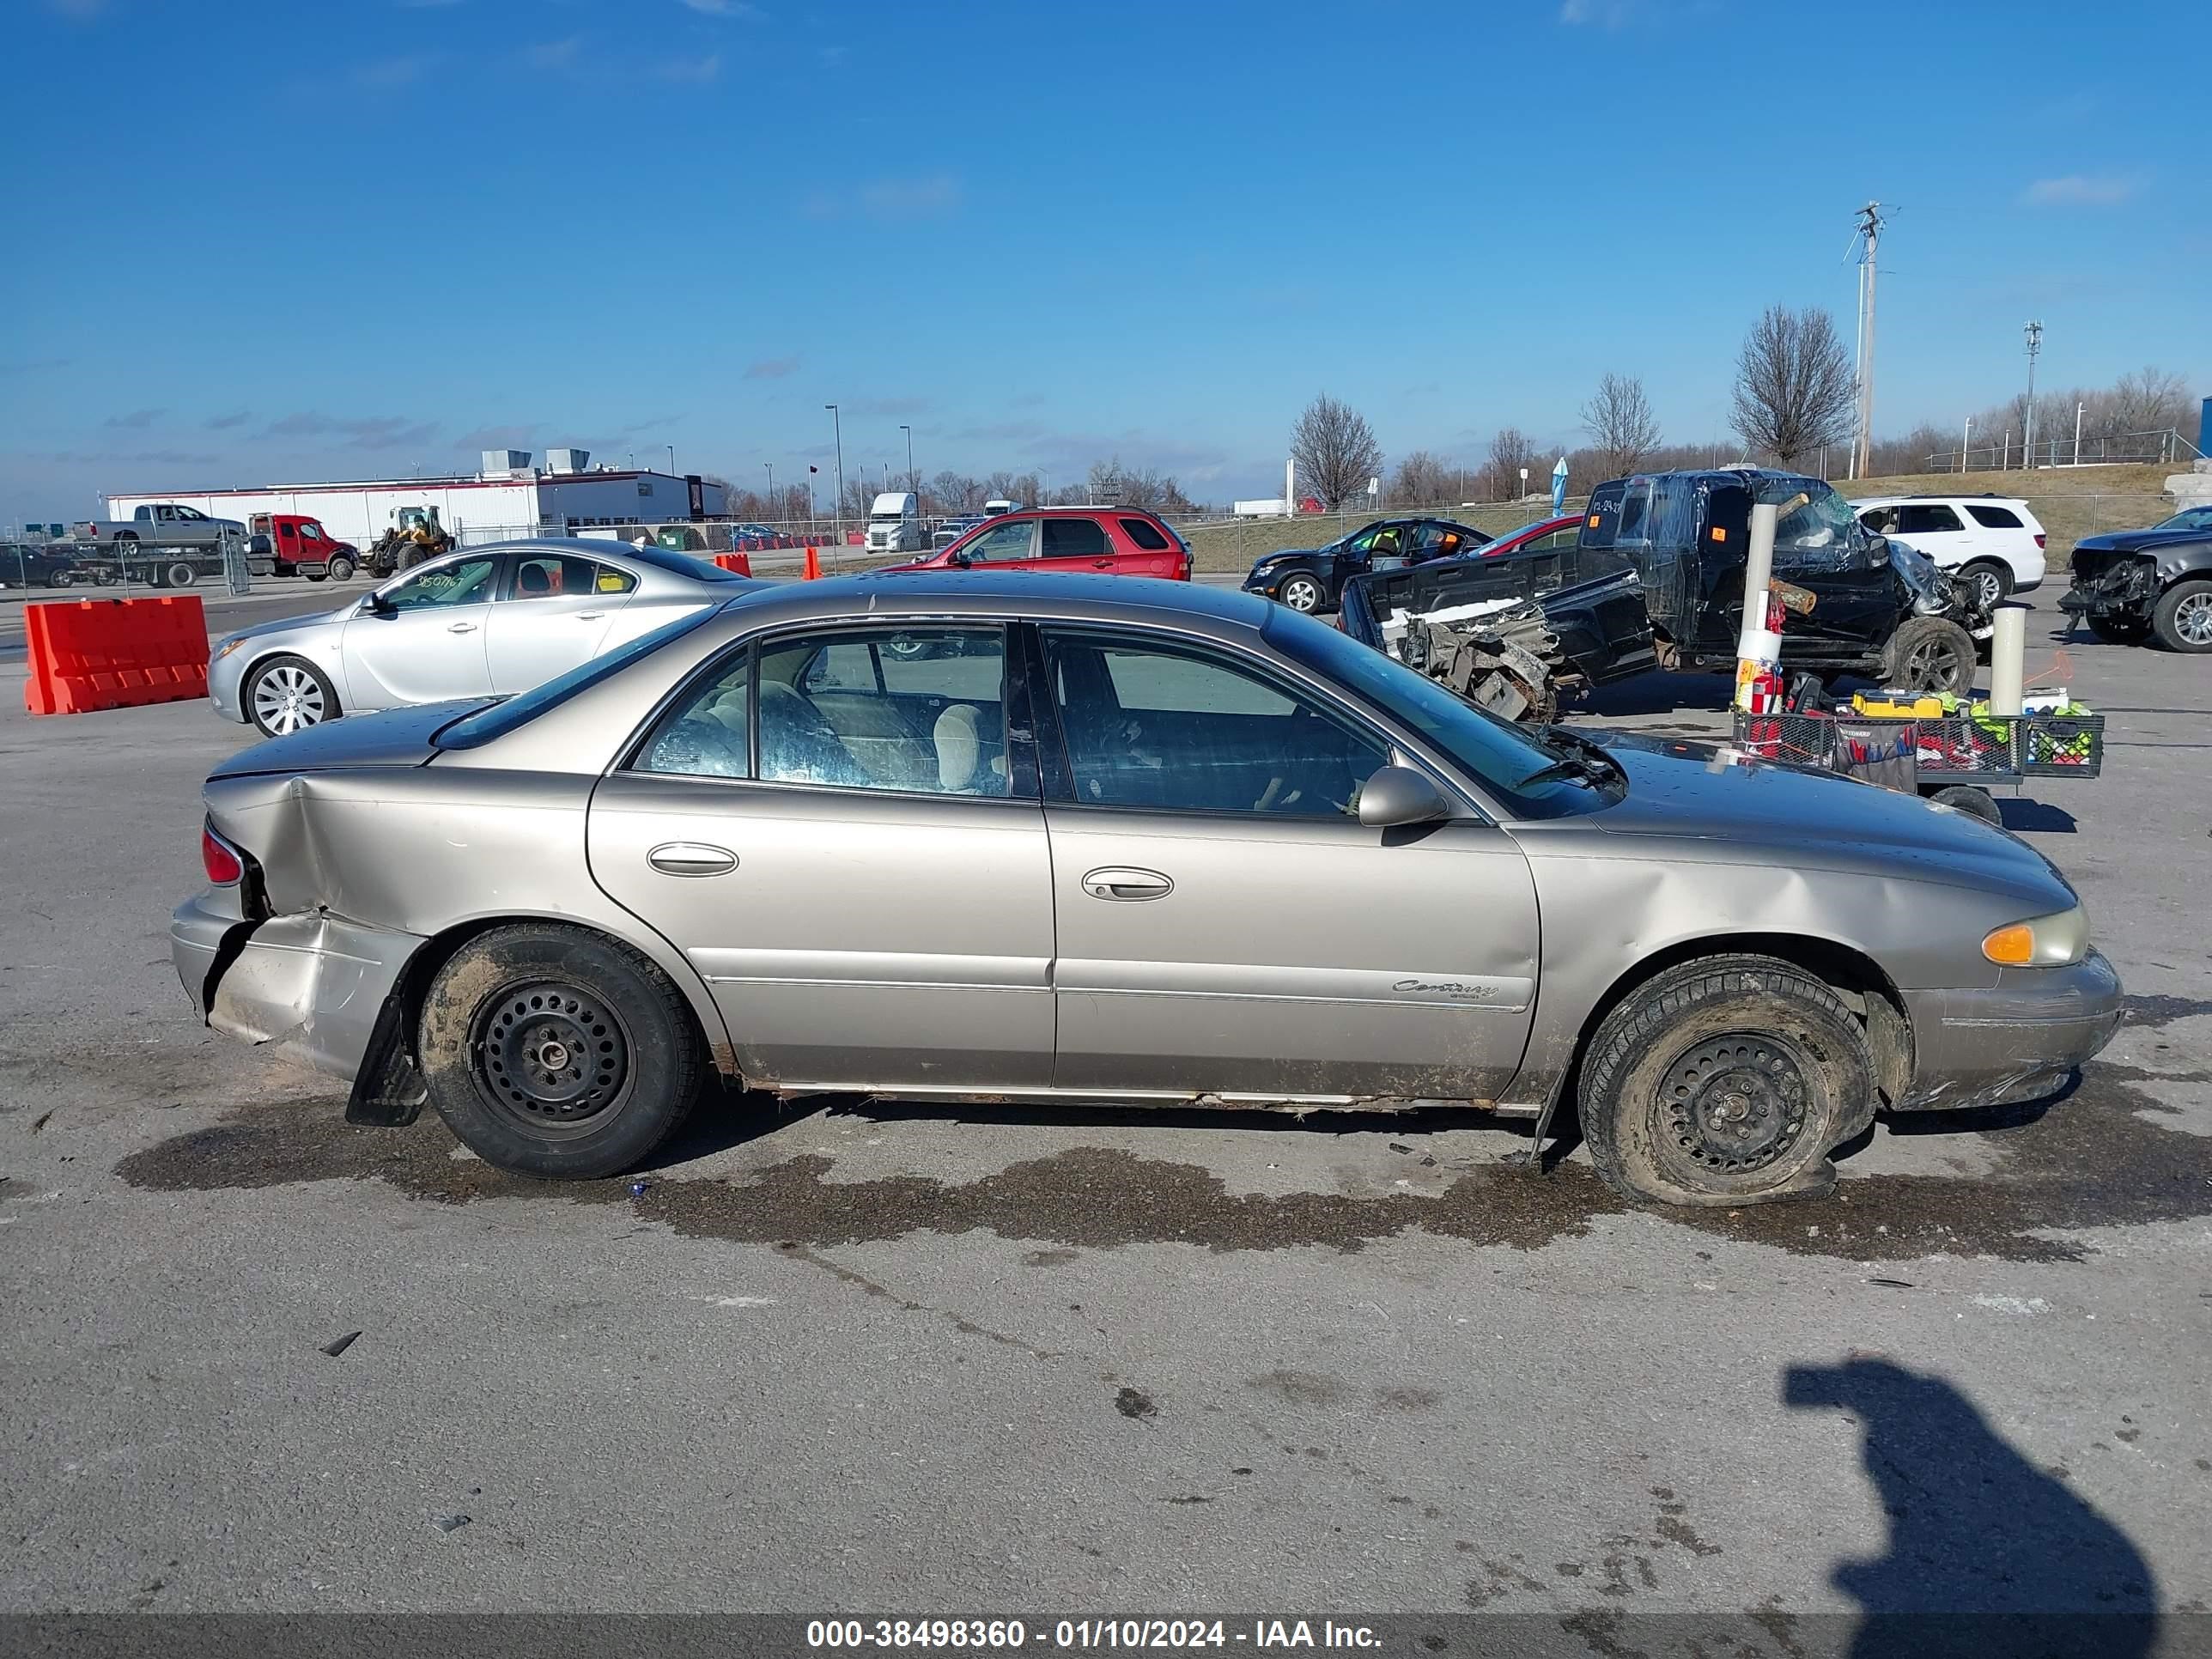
1987, 1552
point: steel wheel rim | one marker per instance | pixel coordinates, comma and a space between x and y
287, 699
1302, 593
550, 1056
1731, 1106
2192, 619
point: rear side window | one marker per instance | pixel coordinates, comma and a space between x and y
1994, 517
1074, 538
1143, 535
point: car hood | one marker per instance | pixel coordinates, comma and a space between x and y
397, 737
2140, 541
1266, 559
1775, 813
287, 624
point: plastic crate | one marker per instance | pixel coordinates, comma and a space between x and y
2062, 745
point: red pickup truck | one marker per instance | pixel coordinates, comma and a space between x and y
1118, 541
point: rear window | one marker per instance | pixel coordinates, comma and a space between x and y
1143, 534
1994, 517
1601, 520
681, 564
503, 718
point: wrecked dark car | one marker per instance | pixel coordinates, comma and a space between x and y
1878, 609
1312, 579
2134, 585
1513, 632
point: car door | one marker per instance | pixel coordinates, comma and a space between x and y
1227, 927
1073, 546
422, 638
553, 611
860, 873
1010, 546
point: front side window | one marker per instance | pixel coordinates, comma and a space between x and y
309, 532
193, 514
916, 709
1002, 542
1635, 511
1169, 727
464, 582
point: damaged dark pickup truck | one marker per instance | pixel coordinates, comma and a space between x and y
1510, 633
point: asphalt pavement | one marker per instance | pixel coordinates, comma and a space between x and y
929, 1359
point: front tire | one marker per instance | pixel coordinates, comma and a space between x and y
1303, 594
341, 569
1725, 1081
1988, 584
289, 694
2183, 618
2119, 631
1929, 654
554, 1052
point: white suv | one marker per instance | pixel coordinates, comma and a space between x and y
1992, 541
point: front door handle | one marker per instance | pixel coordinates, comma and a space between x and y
1101, 564
1114, 883
590, 615
461, 628
691, 858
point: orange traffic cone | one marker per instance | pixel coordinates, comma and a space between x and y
813, 566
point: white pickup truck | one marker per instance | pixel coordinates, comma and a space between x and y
161, 526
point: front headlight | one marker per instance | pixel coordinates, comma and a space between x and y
2058, 941
225, 649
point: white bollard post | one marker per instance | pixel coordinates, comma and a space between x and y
2007, 658
1758, 648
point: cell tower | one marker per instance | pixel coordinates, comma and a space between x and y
1867, 236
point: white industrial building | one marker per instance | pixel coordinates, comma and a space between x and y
507, 497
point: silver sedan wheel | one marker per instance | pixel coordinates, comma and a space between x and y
2192, 619
288, 698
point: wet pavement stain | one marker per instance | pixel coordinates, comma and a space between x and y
2098, 1156
2152, 1012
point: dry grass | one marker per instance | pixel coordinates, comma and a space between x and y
2071, 502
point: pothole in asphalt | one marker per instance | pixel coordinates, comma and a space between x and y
2096, 1157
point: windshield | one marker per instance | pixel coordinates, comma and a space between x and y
1498, 755
2197, 517
503, 718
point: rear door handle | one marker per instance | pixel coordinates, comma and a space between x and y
590, 615
1114, 883
461, 628
691, 858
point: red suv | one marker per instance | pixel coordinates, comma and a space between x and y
1116, 541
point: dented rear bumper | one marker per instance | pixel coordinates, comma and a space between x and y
309, 984
2017, 1042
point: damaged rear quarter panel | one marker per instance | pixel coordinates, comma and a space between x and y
418, 851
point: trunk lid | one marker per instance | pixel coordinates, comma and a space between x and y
399, 737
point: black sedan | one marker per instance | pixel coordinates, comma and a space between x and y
48, 564
1311, 580
2134, 585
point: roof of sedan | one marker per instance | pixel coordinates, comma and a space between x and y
940, 591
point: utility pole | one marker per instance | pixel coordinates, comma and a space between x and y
770, 465
2035, 333
837, 427
1869, 237
912, 482
1966, 441
2078, 408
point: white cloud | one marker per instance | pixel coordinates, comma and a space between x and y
695, 70
725, 9
2080, 190
553, 54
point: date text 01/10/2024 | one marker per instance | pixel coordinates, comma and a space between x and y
1084, 1634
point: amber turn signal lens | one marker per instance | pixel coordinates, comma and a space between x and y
2011, 947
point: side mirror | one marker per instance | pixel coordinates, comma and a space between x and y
377, 605
1398, 795
958, 560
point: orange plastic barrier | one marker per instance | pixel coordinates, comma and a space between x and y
813, 566
114, 653
737, 561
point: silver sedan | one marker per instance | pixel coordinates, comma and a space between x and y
962, 834
493, 619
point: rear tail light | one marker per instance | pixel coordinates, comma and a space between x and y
225, 868
2040, 541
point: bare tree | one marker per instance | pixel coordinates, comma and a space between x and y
1425, 480
1620, 423
1335, 451
2149, 401
1793, 385
1510, 451
1145, 486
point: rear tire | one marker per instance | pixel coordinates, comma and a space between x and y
1303, 594
1929, 654
554, 1052
2183, 618
178, 574
1988, 583
1725, 1081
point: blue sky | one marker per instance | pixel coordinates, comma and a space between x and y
371, 236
